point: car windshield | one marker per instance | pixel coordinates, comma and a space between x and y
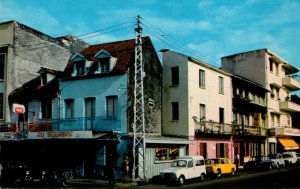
254, 158
286, 155
179, 163
213, 161
273, 156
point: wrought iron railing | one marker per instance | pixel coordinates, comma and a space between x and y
230, 129
100, 123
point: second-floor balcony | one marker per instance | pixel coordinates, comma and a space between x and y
229, 129
101, 123
289, 106
292, 83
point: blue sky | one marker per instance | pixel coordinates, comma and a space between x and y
203, 29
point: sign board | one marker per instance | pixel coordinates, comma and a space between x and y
18, 108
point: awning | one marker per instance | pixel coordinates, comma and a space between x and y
288, 143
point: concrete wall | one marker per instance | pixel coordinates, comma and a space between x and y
175, 94
99, 88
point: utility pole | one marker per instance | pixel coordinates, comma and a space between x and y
139, 145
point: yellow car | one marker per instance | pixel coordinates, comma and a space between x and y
219, 166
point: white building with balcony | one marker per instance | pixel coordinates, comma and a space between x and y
266, 68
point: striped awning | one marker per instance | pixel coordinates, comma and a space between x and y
288, 143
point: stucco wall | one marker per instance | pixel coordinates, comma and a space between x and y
175, 94
99, 88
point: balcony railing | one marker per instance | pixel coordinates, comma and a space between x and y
229, 129
291, 83
101, 123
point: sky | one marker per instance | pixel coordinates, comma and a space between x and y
204, 29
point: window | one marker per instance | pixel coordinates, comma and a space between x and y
202, 78
175, 75
46, 108
69, 111
202, 112
1, 105
44, 79
272, 120
271, 65
221, 85
80, 67
175, 111
89, 107
221, 115
112, 106
2, 64
166, 153
104, 64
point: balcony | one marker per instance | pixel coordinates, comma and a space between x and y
284, 131
291, 83
289, 106
229, 129
101, 123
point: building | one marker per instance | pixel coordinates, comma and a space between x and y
197, 104
88, 112
269, 70
249, 109
23, 50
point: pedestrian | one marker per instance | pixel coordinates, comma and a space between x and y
126, 163
236, 160
111, 169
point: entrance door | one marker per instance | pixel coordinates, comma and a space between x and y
203, 150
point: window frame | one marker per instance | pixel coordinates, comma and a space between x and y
221, 85
114, 106
69, 104
201, 78
175, 111
2, 66
90, 107
175, 75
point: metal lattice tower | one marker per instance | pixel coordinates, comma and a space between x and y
139, 146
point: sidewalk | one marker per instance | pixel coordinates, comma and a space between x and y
92, 183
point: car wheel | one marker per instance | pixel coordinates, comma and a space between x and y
201, 178
181, 180
232, 171
283, 165
219, 173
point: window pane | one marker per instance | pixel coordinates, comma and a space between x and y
221, 85
112, 106
201, 78
90, 107
202, 112
2, 63
69, 108
47, 108
1, 105
175, 111
175, 75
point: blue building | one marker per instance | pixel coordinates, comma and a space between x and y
77, 117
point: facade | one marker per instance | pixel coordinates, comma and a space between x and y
90, 111
23, 50
249, 118
197, 104
275, 74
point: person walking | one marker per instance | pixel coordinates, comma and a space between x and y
126, 163
111, 169
236, 160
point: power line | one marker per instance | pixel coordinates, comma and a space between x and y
175, 42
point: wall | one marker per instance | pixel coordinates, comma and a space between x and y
209, 95
175, 94
96, 87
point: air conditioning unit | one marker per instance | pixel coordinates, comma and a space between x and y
272, 95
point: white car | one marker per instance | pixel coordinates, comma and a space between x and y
290, 158
184, 168
277, 159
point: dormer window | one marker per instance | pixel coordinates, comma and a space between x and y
105, 61
80, 67
79, 64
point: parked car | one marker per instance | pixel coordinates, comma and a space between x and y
13, 173
219, 166
298, 156
277, 159
290, 157
259, 163
184, 168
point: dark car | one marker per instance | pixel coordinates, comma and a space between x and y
259, 163
13, 173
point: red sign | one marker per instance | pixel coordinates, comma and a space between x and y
18, 108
